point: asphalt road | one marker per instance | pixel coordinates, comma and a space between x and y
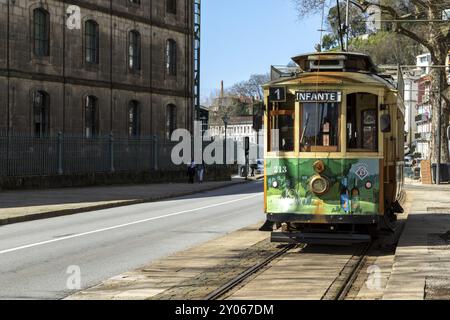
41, 259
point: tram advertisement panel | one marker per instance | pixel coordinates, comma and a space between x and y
323, 187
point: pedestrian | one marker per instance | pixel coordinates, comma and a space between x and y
201, 170
191, 172
253, 167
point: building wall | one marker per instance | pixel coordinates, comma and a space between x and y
411, 95
424, 118
68, 79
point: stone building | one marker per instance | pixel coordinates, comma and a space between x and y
91, 67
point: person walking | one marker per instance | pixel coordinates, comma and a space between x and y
201, 170
253, 167
191, 172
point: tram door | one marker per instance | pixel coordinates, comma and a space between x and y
362, 122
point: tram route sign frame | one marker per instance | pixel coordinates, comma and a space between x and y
277, 94
318, 96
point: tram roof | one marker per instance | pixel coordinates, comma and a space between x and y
337, 68
353, 60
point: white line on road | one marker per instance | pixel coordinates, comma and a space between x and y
123, 225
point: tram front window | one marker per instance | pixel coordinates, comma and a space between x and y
320, 127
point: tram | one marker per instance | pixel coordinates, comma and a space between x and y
335, 149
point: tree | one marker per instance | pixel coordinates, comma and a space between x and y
238, 100
251, 87
388, 48
357, 22
421, 21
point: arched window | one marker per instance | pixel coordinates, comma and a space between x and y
171, 57
134, 50
171, 120
91, 41
41, 32
171, 6
133, 119
91, 116
41, 114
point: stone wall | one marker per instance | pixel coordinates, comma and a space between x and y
68, 79
117, 178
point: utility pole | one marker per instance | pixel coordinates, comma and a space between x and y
439, 131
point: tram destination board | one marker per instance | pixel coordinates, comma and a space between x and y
318, 96
277, 94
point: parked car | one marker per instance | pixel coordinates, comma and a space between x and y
409, 161
260, 166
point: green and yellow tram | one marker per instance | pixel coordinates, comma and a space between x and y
334, 148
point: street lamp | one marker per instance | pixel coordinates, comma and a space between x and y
225, 120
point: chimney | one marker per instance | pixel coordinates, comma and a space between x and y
221, 89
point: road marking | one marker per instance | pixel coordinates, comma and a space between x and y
124, 225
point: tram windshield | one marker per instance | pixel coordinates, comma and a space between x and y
320, 127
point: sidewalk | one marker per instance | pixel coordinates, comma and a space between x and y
421, 267
27, 205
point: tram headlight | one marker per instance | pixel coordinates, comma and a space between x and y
319, 185
275, 184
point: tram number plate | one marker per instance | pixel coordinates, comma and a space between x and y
277, 94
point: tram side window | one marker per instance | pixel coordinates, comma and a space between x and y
362, 122
282, 125
320, 127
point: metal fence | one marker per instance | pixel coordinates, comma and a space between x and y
25, 155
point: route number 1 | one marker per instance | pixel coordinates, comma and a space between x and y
277, 94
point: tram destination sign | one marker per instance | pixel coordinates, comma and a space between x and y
318, 96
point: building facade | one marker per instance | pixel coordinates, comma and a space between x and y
95, 67
423, 118
410, 99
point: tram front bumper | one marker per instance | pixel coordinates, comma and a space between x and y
323, 219
319, 238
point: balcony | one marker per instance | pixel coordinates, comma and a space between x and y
423, 136
422, 118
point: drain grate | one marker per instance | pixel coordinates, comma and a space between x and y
444, 210
437, 288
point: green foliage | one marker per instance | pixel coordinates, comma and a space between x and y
387, 48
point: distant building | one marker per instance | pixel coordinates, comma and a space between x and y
410, 101
423, 117
448, 66
424, 63
203, 117
237, 129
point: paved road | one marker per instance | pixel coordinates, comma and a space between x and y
35, 257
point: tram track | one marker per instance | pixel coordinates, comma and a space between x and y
338, 290
236, 281
342, 285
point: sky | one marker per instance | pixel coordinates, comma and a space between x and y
244, 37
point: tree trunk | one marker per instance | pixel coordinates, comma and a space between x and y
438, 88
443, 118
